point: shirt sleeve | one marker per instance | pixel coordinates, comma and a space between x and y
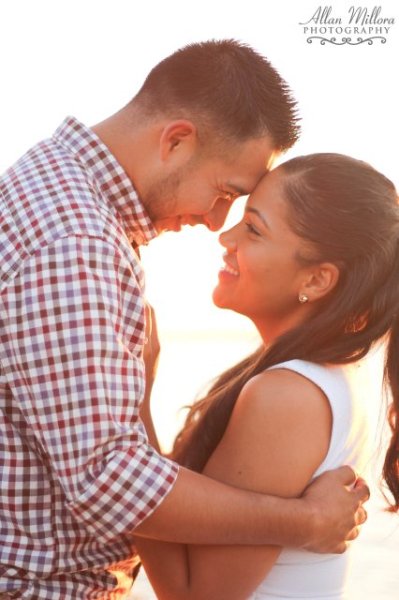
73, 328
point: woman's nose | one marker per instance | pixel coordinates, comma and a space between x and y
227, 240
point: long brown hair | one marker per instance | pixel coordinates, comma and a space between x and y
349, 214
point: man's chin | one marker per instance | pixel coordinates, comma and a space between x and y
170, 224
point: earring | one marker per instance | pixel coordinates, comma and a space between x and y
303, 298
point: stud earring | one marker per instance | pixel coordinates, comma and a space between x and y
303, 298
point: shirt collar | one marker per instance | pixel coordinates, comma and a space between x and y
111, 177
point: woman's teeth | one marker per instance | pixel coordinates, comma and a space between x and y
230, 270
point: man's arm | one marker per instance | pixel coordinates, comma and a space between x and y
200, 510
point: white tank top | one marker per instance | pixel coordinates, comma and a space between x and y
298, 574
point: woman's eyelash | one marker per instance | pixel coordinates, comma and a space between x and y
251, 229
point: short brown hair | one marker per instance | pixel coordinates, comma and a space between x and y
235, 91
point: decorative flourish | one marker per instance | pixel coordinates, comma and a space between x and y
346, 40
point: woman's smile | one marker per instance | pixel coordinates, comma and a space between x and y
228, 272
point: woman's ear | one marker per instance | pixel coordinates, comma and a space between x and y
178, 140
322, 279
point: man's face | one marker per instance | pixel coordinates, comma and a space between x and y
202, 191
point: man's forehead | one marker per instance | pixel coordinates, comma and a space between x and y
244, 188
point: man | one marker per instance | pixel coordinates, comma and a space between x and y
79, 475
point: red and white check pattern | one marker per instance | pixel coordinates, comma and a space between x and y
77, 473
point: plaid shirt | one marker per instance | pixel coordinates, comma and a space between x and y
77, 473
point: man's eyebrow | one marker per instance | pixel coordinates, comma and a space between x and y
256, 212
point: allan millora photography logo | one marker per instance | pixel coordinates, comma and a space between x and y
358, 25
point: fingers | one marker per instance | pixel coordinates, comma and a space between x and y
360, 516
360, 481
346, 475
353, 534
361, 490
341, 548
149, 314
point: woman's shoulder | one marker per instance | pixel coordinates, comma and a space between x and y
291, 381
283, 395
281, 421
332, 380
312, 370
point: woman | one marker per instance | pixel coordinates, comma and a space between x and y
315, 265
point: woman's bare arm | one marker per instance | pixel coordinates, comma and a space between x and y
277, 436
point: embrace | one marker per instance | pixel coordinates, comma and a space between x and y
260, 497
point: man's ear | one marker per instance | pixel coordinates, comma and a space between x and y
321, 280
178, 141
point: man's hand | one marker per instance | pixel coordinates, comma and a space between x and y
336, 502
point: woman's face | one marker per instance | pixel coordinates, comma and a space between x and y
262, 277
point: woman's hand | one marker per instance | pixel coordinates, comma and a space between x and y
151, 353
152, 345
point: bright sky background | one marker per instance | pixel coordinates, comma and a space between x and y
89, 57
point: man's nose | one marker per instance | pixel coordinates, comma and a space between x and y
216, 217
